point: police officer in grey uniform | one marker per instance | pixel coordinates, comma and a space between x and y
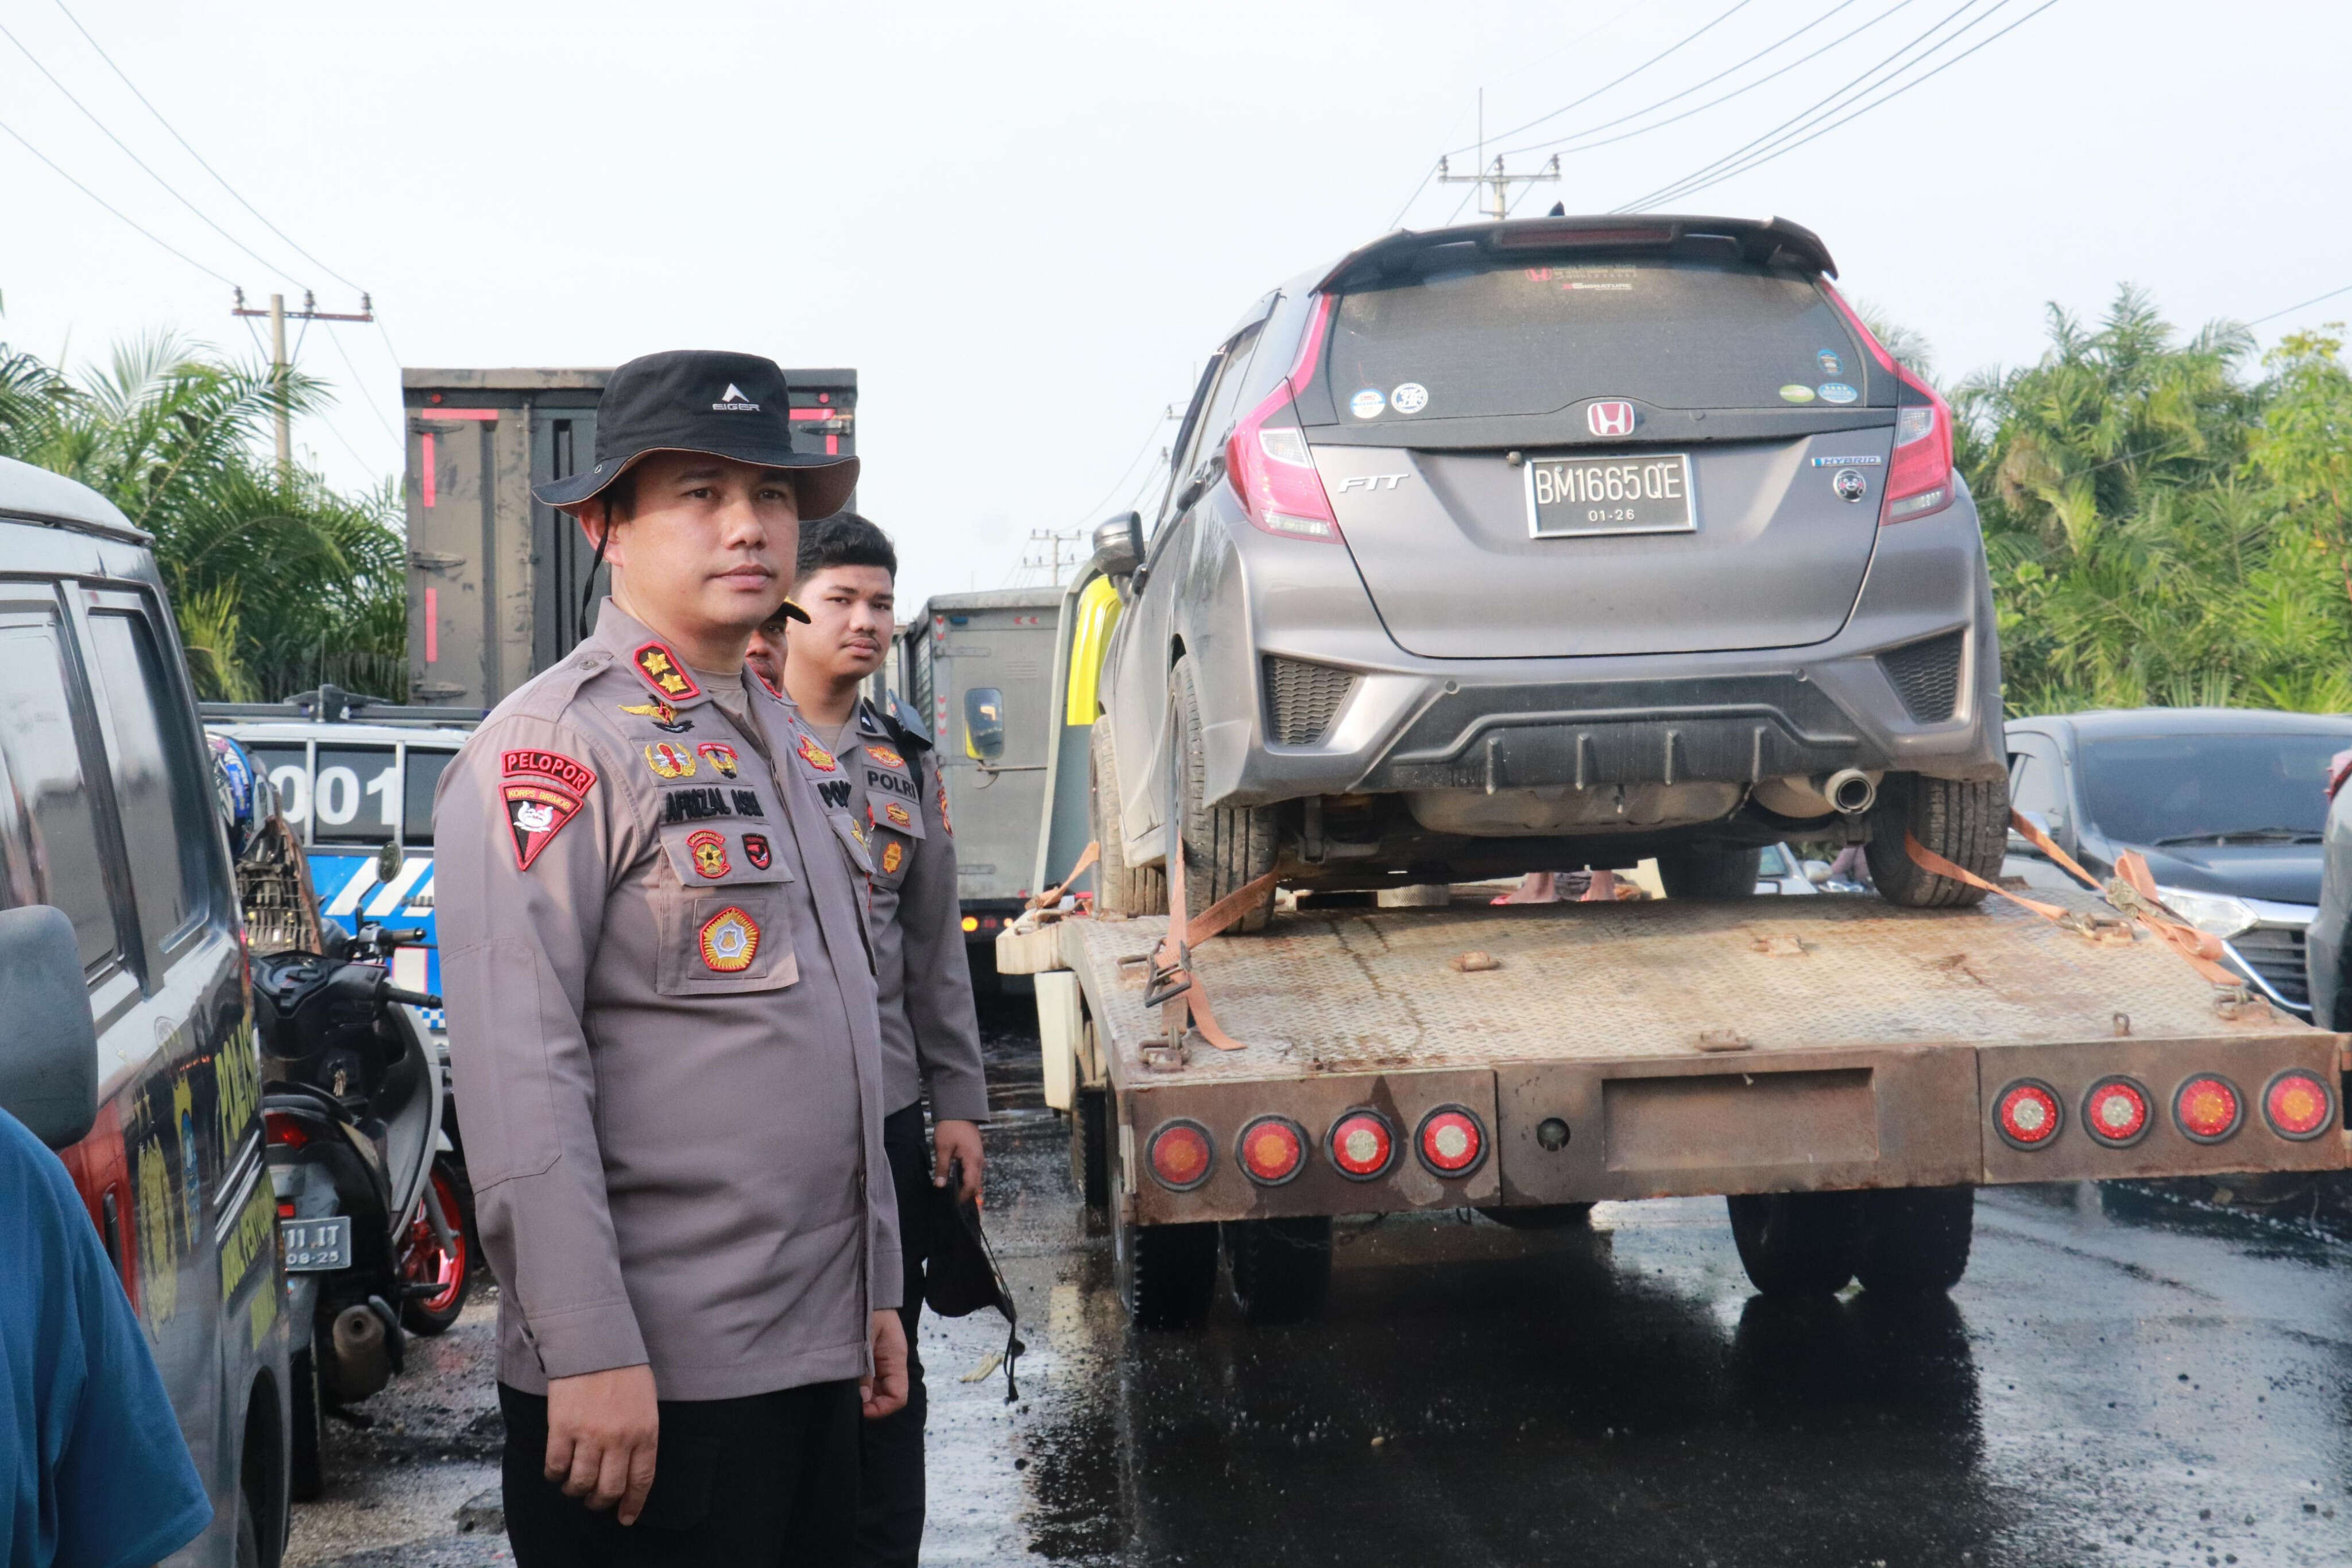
877, 769
664, 1025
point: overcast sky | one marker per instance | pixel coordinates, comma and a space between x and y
1026, 225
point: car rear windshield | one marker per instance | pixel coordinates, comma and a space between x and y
2190, 789
1531, 340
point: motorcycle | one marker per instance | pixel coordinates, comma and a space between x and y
370, 1198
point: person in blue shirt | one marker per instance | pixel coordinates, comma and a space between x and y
93, 1472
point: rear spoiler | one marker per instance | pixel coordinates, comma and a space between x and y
1775, 243
332, 705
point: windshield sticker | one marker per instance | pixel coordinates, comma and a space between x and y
1848, 461
1367, 403
1792, 393
1837, 392
1829, 362
1411, 397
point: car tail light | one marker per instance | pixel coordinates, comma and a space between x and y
1272, 1150
2028, 1113
2207, 1108
1919, 478
1362, 1145
1267, 457
2339, 767
1451, 1143
284, 1130
2298, 1105
285, 1208
2116, 1111
1180, 1155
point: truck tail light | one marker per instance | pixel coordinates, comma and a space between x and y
1451, 1141
2028, 1113
2298, 1105
1266, 458
1362, 1145
1272, 1150
1180, 1155
1919, 479
2207, 1108
2116, 1111
284, 1130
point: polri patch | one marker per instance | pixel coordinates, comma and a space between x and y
665, 717
817, 756
896, 783
670, 761
900, 816
660, 667
943, 810
885, 756
729, 941
894, 855
708, 848
537, 812
720, 756
756, 851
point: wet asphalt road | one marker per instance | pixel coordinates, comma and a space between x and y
2122, 1379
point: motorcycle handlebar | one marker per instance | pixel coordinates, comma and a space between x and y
412, 999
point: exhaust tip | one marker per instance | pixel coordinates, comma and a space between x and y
1849, 791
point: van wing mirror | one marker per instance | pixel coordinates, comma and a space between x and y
1119, 545
49, 1069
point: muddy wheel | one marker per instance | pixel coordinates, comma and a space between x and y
1797, 1243
1967, 824
1702, 873
1090, 1147
1281, 1268
1166, 1273
435, 1278
1123, 888
306, 1475
1915, 1241
1226, 848
1541, 1216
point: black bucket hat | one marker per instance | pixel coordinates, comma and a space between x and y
698, 400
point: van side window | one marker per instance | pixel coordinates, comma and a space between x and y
166, 823
45, 778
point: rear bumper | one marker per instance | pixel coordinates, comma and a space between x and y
1738, 1123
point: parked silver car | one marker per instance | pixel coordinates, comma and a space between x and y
1520, 545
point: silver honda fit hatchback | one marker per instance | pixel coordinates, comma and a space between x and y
1543, 543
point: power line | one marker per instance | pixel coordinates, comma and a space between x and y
199, 157
92, 116
1690, 39
1827, 104
2293, 308
356, 390
1874, 103
110, 207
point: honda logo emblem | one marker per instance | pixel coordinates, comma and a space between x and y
1612, 418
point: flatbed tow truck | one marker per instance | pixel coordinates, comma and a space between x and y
1845, 1073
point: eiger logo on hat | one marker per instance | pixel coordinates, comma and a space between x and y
733, 400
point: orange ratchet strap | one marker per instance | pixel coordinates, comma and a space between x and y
1171, 960
1053, 895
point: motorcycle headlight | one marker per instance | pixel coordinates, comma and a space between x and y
2217, 912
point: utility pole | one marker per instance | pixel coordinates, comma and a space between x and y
1498, 182
1054, 540
279, 364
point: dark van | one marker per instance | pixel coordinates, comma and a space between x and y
153, 1095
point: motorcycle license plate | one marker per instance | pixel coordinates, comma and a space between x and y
315, 1245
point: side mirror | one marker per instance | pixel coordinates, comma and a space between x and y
983, 724
1119, 545
48, 1074
1817, 872
388, 861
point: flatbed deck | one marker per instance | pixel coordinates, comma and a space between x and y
1666, 1047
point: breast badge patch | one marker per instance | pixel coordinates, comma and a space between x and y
817, 756
544, 791
900, 816
670, 761
730, 940
665, 717
708, 847
660, 667
885, 756
722, 758
756, 851
894, 855
943, 810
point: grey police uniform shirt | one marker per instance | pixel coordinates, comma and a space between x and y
662, 1023
930, 1034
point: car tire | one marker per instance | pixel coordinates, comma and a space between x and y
1166, 1274
1090, 1148
1226, 848
1797, 1243
1121, 889
1280, 1269
306, 1474
1965, 822
1714, 874
1915, 1241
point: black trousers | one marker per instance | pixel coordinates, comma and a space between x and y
769, 1480
890, 1451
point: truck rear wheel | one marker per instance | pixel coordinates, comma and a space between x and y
1123, 888
1226, 848
1165, 1273
1281, 1268
1703, 872
1797, 1243
1967, 824
1915, 1241
1090, 1147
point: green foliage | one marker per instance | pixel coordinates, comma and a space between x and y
2164, 529
278, 580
